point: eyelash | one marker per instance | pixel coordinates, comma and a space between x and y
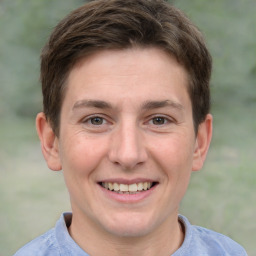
166, 120
159, 119
103, 122
89, 120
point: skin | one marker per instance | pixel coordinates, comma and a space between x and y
126, 117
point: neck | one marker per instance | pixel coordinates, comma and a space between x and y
165, 240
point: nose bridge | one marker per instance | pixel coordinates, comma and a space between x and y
127, 147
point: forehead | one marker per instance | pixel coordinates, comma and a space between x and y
141, 58
122, 74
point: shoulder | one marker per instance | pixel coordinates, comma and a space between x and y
202, 241
43, 245
55, 242
218, 243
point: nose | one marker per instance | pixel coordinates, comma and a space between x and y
127, 147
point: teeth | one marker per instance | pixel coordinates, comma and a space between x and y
135, 187
132, 188
116, 187
124, 188
109, 186
140, 186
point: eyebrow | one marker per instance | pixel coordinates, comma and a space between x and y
91, 104
160, 104
148, 105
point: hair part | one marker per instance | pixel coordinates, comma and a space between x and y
117, 24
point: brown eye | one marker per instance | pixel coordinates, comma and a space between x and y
159, 120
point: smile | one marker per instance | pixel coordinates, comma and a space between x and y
127, 189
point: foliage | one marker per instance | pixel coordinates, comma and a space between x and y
220, 197
24, 27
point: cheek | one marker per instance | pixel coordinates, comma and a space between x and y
174, 153
81, 155
174, 158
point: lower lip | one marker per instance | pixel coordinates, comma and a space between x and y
128, 198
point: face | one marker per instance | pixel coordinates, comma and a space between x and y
127, 144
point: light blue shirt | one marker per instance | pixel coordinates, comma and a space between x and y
198, 242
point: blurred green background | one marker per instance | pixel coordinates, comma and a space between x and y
221, 197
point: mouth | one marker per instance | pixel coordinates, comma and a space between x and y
134, 188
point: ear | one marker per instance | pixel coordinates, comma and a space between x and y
202, 143
49, 142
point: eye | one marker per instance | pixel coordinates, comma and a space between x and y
159, 120
97, 120
160, 123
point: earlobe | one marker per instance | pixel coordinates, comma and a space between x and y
202, 143
49, 142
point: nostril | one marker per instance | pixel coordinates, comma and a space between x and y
127, 149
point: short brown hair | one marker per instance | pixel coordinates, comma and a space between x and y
117, 24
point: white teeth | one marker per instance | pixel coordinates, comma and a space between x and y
135, 187
140, 186
109, 186
116, 187
124, 188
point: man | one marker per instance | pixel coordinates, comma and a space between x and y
126, 117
